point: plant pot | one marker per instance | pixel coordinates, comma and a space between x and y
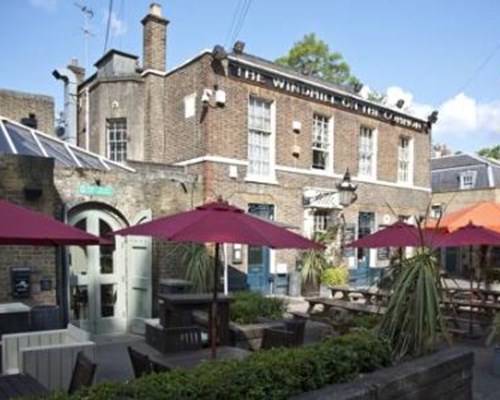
496, 360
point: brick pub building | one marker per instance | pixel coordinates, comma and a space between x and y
270, 140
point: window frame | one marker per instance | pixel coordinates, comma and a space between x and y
111, 153
466, 175
373, 155
256, 176
408, 178
327, 142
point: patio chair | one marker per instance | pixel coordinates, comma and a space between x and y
297, 327
183, 338
277, 338
83, 373
140, 362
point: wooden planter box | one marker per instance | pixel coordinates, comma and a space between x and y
248, 337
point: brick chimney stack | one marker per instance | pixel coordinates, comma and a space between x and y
154, 39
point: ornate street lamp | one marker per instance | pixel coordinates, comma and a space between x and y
347, 190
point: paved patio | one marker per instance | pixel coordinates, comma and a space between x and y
114, 364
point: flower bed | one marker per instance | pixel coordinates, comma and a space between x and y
272, 374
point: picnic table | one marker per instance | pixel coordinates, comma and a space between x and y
347, 305
20, 385
370, 296
189, 359
479, 294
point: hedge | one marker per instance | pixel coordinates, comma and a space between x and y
271, 374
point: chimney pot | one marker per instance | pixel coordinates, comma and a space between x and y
155, 9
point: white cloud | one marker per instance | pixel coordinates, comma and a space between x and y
464, 123
117, 26
47, 5
395, 93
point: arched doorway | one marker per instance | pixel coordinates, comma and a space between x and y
97, 284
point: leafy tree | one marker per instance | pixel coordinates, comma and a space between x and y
314, 54
490, 152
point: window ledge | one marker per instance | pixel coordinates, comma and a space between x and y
318, 171
262, 179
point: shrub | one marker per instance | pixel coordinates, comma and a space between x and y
335, 276
249, 306
269, 374
365, 321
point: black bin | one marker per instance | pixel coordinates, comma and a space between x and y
45, 317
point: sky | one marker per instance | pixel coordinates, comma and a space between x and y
437, 55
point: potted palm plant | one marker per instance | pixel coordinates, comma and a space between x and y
314, 262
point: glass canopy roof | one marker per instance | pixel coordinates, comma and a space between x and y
19, 139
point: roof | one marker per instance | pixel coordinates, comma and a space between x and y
446, 172
290, 71
112, 52
315, 80
19, 139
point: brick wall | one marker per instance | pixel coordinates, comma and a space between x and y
444, 375
454, 201
17, 105
186, 137
18, 172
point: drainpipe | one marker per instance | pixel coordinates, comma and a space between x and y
70, 95
87, 118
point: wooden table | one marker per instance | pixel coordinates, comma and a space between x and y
189, 359
20, 385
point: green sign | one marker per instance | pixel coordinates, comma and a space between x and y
94, 190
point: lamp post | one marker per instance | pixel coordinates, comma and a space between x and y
347, 190
347, 195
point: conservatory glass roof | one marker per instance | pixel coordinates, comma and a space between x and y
19, 139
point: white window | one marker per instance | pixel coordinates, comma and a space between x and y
321, 143
260, 129
404, 160
320, 220
190, 105
367, 156
468, 179
117, 139
436, 211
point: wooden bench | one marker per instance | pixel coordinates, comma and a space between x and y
347, 305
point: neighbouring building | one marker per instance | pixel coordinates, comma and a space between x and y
273, 141
34, 110
460, 181
103, 289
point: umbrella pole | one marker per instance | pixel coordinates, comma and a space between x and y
470, 295
213, 320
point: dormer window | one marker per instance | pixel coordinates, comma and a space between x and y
468, 180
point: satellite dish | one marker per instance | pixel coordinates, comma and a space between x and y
60, 131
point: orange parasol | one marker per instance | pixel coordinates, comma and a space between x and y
485, 214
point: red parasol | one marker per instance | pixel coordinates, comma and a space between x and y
218, 222
20, 226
